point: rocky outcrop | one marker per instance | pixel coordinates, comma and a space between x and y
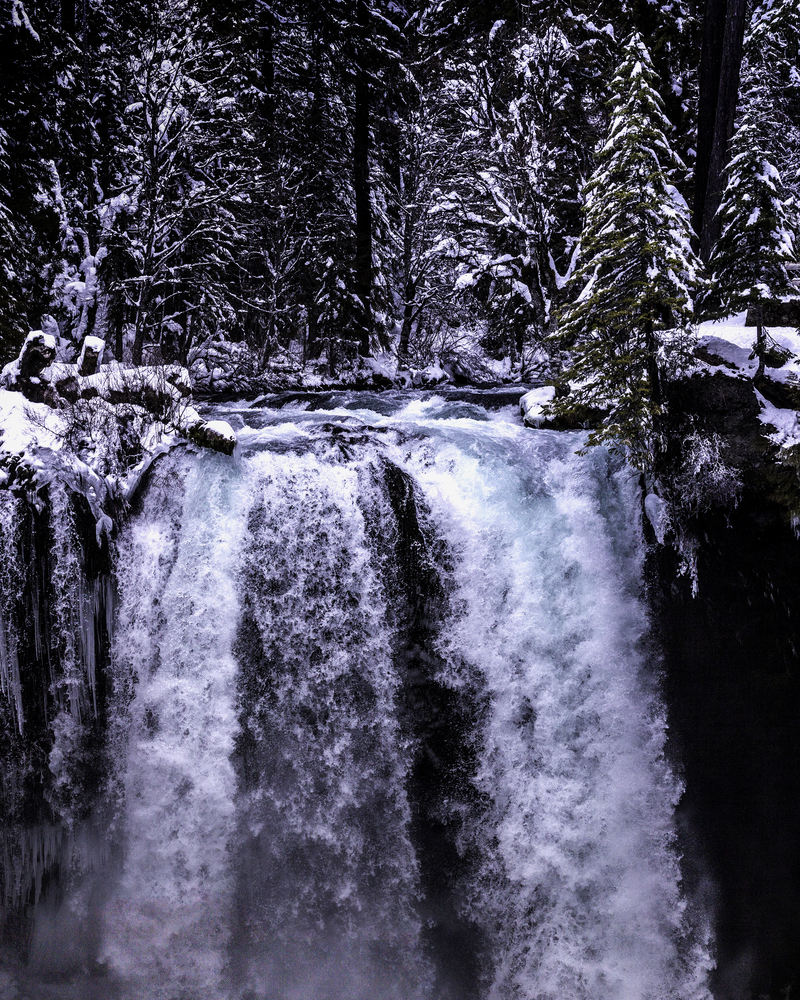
725, 607
91, 355
156, 393
728, 634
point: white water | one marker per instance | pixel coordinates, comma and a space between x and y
264, 819
166, 925
581, 878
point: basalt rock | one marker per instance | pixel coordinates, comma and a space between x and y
38, 351
91, 355
728, 634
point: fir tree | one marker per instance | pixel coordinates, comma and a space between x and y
637, 273
749, 260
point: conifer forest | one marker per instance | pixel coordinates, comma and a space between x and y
345, 178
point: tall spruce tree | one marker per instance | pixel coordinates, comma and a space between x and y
637, 274
756, 242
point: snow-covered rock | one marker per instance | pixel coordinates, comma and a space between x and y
533, 403
215, 434
726, 347
38, 352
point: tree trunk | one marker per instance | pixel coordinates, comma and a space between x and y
268, 71
314, 163
408, 319
361, 189
141, 314
68, 16
409, 284
761, 340
719, 86
115, 324
708, 95
268, 151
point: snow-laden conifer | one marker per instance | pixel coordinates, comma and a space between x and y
637, 274
756, 243
756, 240
771, 73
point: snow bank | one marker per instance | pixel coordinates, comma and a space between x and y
26, 426
727, 347
782, 425
93, 430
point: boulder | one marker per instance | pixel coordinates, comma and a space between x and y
218, 435
532, 405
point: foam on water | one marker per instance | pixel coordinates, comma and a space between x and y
580, 885
327, 897
270, 814
166, 927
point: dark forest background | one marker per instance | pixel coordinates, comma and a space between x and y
351, 177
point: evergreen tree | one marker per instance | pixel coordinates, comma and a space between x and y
637, 274
749, 260
771, 81
500, 218
31, 68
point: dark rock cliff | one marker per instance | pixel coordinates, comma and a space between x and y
732, 680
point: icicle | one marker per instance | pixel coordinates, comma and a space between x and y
38, 849
78, 605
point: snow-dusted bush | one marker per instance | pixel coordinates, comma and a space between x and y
225, 366
705, 480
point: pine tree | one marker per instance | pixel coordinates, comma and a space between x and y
637, 274
749, 259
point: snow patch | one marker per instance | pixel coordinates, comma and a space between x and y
657, 512
784, 423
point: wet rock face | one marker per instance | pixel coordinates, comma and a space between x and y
718, 404
733, 688
727, 410
54, 649
732, 679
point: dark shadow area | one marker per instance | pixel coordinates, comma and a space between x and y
733, 689
443, 724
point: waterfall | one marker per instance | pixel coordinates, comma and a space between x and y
382, 720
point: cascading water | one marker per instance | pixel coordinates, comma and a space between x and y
383, 722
